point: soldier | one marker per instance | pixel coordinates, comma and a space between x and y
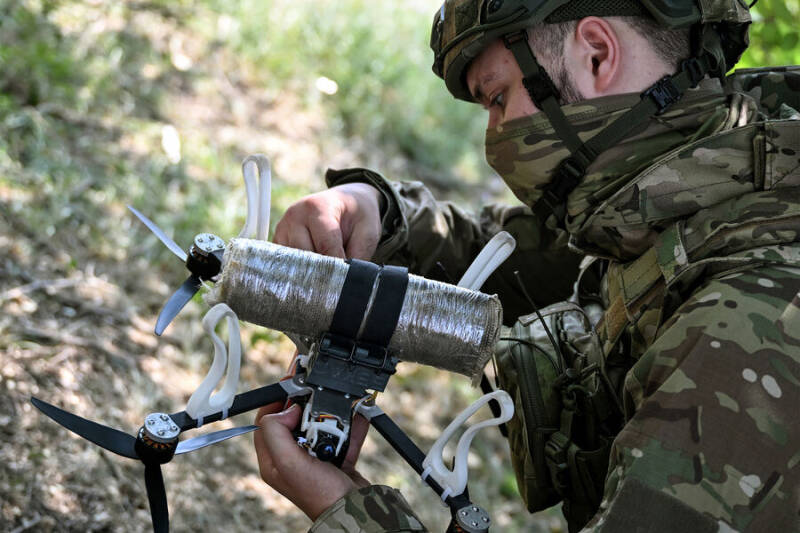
673, 194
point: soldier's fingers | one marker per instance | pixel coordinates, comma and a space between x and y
294, 218
326, 235
268, 409
363, 241
262, 452
279, 443
300, 238
281, 235
358, 432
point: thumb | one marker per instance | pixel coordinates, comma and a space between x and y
282, 421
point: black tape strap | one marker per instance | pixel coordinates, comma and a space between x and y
354, 298
385, 312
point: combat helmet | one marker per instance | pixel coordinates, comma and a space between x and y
462, 29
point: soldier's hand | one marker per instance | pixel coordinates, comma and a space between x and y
312, 485
343, 221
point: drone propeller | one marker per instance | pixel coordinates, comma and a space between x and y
156, 441
156, 497
176, 302
204, 258
107, 438
154, 445
208, 439
204, 261
158, 232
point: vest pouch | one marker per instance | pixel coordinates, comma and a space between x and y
527, 369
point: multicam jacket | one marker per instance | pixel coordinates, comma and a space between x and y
697, 219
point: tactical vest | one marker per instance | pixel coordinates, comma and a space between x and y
568, 390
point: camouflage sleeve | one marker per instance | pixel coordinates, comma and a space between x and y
373, 509
439, 240
714, 444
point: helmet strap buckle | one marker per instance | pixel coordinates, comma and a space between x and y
694, 70
663, 93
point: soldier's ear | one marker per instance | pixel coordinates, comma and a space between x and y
593, 57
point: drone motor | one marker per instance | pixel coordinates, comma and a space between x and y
205, 255
157, 439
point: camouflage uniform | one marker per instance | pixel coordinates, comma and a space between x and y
697, 220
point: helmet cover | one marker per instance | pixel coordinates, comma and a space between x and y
462, 29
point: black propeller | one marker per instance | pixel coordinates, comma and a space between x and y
107, 438
176, 302
156, 442
204, 261
154, 445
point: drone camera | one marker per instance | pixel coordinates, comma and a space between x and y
326, 447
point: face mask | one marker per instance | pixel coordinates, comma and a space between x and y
525, 151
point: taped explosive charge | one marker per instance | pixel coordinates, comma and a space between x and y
295, 291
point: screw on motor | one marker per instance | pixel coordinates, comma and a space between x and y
473, 519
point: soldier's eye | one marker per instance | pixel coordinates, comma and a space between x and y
499, 100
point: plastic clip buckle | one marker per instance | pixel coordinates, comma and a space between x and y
694, 70
540, 87
363, 355
511, 38
664, 93
567, 176
337, 347
555, 452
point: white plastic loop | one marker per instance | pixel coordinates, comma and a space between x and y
455, 481
202, 403
492, 256
258, 201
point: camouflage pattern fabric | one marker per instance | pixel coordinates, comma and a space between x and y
368, 510
709, 326
712, 436
527, 150
438, 240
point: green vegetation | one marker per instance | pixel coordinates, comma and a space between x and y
774, 34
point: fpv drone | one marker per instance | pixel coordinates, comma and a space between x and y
335, 375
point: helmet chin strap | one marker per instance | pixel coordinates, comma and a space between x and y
655, 100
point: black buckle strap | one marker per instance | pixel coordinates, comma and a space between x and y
511, 39
353, 363
555, 452
358, 352
663, 93
536, 80
350, 366
354, 298
694, 69
566, 177
384, 315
